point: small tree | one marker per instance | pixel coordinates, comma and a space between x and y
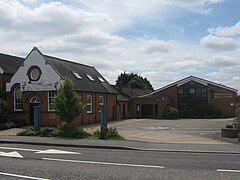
67, 103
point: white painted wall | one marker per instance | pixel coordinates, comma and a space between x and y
49, 76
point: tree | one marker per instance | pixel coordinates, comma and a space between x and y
133, 80
137, 82
67, 104
3, 107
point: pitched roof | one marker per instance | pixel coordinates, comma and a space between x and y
191, 78
129, 92
9, 64
87, 78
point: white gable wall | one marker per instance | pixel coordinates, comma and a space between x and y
48, 81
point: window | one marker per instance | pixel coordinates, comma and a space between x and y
101, 102
180, 91
90, 77
89, 104
34, 73
101, 79
192, 90
77, 75
18, 99
51, 95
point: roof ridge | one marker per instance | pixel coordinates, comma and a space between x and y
69, 61
12, 56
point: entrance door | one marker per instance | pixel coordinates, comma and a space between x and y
124, 116
147, 110
34, 101
32, 112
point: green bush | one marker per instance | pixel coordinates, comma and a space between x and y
28, 132
238, 113
200, 110
170, 113
71, 132
112, 134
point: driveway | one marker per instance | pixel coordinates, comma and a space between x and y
196, 131
192, 131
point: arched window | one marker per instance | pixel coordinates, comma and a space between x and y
18, 99
34, 99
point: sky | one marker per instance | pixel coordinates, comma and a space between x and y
162, 40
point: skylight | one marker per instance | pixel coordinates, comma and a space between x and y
77, 75
90, 77
101, 79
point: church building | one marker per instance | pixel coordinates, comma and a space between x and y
37, 80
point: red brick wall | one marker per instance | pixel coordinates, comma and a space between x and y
49, 118
161, 99
223, 99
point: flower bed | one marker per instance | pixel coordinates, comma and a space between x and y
230, 132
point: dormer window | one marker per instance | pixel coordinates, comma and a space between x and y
101, 79
77, 75
90, 77
34, 73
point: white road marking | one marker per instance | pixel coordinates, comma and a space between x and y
104, 163
228, 170
19, 149
49, 151
11, 154
21, 176
55, 151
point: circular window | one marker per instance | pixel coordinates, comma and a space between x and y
34, 73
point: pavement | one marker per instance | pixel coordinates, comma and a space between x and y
142, 134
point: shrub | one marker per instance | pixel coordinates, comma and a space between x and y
28, 132
200, 110
238, 113
112, 134
170, 113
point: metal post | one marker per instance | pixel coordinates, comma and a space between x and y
103, 109
36, 112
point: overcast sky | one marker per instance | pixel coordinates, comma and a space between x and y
162, 40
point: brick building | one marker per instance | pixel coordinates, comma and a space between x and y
37, 79
188, 94
8, 66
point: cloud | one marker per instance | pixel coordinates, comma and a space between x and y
154, 45
219, 43
226, 31
222, 61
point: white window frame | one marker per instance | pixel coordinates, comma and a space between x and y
18, 99
101, 79
89, 104
90, 77
101, 102
77, 75
51, 95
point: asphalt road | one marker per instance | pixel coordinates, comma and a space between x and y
42, 162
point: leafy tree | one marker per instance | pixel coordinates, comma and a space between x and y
137, 82
3, 107
133, 80
67, 103
238, 99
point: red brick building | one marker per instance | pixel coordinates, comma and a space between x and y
8, 66
36, 81
186, 94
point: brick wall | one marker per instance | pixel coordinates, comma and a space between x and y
223, 99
